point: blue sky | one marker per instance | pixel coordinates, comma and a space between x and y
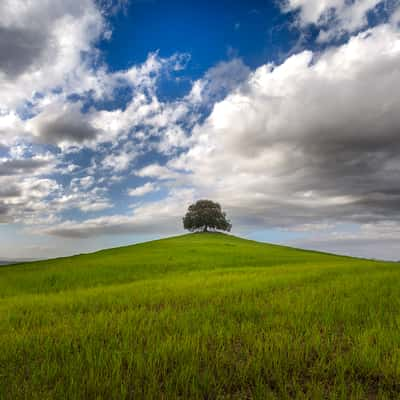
209, 32
116, 115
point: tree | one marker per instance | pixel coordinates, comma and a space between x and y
204, 215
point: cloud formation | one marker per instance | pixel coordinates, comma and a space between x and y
41, 46
58, 124
311, 139
19, 49
334, 18
148, 187
23, 166
306, 145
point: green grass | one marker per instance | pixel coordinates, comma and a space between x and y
202, 316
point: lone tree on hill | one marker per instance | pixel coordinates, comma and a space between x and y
205, 214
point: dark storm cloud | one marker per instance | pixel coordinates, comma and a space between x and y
19, 49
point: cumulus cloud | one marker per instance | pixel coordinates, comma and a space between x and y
42, 44
334, 17
12, 130
47, 53
19, 49
86, 182
34, 198
83, 193
26, 200
153, 124
119, 161
218, 81
15, 166
62, 123
306, 143
84, 201
158, 171
301, 145
54, 119
311, 139
148, 187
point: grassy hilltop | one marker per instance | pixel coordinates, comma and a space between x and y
200, 316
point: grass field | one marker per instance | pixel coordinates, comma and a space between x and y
202, 316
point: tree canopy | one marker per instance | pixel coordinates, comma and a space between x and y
204, 215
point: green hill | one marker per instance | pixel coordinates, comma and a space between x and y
200, 316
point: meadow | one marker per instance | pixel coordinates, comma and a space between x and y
200, 316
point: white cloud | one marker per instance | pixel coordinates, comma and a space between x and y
303, 144
119, 161
62, 124
334, 17
158, 171
42, 45
86, 202
40, 164
12, 129
148, 187
218, 81
82, 183
306, 141
28, 202
300, 145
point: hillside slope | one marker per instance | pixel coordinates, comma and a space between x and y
181, 254
200, 316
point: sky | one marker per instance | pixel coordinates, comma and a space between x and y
115, 116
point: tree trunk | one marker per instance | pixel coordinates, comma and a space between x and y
205, 229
